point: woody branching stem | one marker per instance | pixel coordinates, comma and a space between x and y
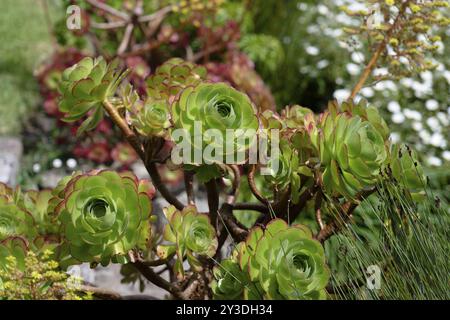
189, 185
347, 211
213, 200
231, 198
151, 276
252, 185
137, 146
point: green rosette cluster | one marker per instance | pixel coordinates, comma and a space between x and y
209, 110
285, 172
231, 283
296, 156
406, 168
295, 117
84, 88
13, 248
172, 77
36, 202
152, 119
15, 220
191, 235
104, 215
285, 261
352, 146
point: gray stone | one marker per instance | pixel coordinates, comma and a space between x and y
10, 155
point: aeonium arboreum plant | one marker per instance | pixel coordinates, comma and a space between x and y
353, 148
286, 261
210, 109
84, 88
104, 215
14, 220
329, 158
191, 235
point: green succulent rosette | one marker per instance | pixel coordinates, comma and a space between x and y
352, 150
36, 202
296, 117
152, 119
191, 235
208, 110
284, 174
104, 215
84, 88
232, 283
406, 168
286, 262
14, 220
13, 248
172, 77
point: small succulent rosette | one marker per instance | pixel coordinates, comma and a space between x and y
172, 77
286, 262
407, 170
353, 148
15, 220
13, 249
104, 215
190, 235
84, 88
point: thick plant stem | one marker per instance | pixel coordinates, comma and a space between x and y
123, 126
252, 207
137, 146
213, 200
189, 185
347, 210
151, 276
295, 209
232, 227
231, 198
159, 185
101, 293
252, 185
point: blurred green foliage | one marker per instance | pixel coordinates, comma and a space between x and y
25, 41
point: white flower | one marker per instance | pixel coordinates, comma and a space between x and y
394, 107
446, 155
433, 123
395, 137
412, 114
357, 57
367, 92
437, 140
352, 69
341, 94
322, 9
425, 136
443, 118
322, 64
313, 51
431, 104
417, 126
434, 161
398, 118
